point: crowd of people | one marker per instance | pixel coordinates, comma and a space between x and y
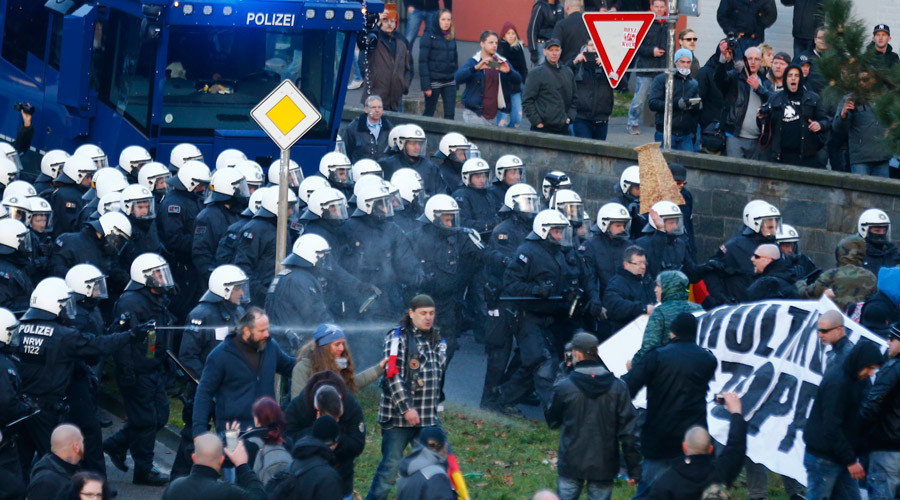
747, 100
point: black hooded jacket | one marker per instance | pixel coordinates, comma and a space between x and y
881, 409
310, 475
801, 107
50, 476
437, 56
594, 410
775, 282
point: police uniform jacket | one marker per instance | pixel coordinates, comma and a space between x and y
730, 284
66, 202
539, 262
15, 285
12, 405
228, 244
201, 336
343, 284
82, 247
476, 210
501, 249
210, 225
603, 256
450, 172
297, 297
666, 252
144, 306
255, 253
431, 176
177, 213
443, 255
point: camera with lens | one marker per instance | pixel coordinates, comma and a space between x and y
732, 42
25, 107
765, 110
370, 37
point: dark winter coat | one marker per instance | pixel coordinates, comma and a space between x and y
880, 255
626, 297
666, 252
878, 312
144, 306
880, 410
865, 133
594, 96
549, 96
49, 477
177, 213
750, 17
775, 282
209, 227
687, 479
431, 176
360, 143
811, 108
539, 262
516, 57
389, 72
807, 18
886, 59
500, 250
297, 297
603, 256
12, 405
437, 56
66, 203
476, 209
15, 285
736, 91
81, 247
255, 253
541, 23
203, 484
444, 256
677, 378
729, 283
423, 476
833, 429
572, 34
310, 475
684, 121
228, 243
594, 410
473, 96
709, 92
657, 36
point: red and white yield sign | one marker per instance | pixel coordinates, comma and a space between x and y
617, 36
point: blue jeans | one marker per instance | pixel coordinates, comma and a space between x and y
590, 130
570, 489
652, 469
514, 117
826, 479
679, 142
357, 74
641, 89
393, 444
414, 20
883, 476
878, 169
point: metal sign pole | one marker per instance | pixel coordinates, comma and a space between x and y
672, 18
283, 184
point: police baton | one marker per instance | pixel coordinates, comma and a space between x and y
22, 419
511, 298
182, 367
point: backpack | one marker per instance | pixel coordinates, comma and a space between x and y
270, 460
285, 483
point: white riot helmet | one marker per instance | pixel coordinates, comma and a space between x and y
229, 158
19, 189
668, 211
553, 181
18, 208
521, 198
227, 184
134, 157
308, 251
509, 163
7, 150
152, 271
410, 184
51, 163
874, 218
138, 202
151, 173
112, 202
365, 182
8, 171
394, 137
192, 174
336, 168
87, 282
14, 237
365, 166
75, 169
310, 185
412, 134
228, 282
3, 213
8, 326
757, 212
268, 206
107, 180
545, 222
40, 215
255, 202
50, 299
374, 200
93, 153
569, 204
455, 147
327, 203
442, 211
612, 213
252, 173
396, 199
475, 166
183, 153
787, 235
115, 229
293, 174
630, 177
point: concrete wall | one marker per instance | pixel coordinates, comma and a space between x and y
822, 205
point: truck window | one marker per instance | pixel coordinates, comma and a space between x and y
24, 31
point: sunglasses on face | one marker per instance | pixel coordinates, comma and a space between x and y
694, 39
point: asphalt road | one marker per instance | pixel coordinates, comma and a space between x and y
164, 455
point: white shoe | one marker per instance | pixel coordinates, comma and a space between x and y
355, 84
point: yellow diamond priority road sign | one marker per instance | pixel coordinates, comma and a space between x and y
286, 114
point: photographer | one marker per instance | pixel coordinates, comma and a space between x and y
594, 101
686, 104
746, 21
388, 59
746, 89
795, 125
489, 79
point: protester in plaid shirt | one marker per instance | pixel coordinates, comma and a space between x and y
413, 390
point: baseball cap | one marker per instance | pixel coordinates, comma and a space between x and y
802, 59
551, 42
679, 173
585, 342
882, 27
783, 56
433, 436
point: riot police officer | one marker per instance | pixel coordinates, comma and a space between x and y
48, 350
628, 194
666, 249
229, 158
104, 181
412, 192
553, 182
874, 226
298, 293
508, 171
177, 215
228, 197
520, 204
308, 186
253, 174
603, 252
99, 243
445, 251
365, 166
208, 323
154, 176
293, 174
75, 179
335, 167
377, 251
411, 144
15, 246
228, 244
141, 368
788, 240
51, 163
183, 153
544, 280
475, 208
140, 208
13, 406
131, 160
452, 153
256, 247
8, 173
93, 153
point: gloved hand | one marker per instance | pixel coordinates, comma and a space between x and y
139, 333
543, 290
682, 104
122, 324
569, 294
596, 310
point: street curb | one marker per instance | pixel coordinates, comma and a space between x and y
169, 436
